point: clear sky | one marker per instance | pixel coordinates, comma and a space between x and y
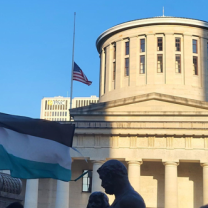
36, 44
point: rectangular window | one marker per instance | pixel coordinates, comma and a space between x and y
52, 113
195, 65
105, 51
114, 51
160, 63
207, 50
65, 113
126, 66
114, 71
178, 63
142, 64
66, 105
142, 45
127, 48
160, 44
178, 44
194, 46
87, 181
46, 105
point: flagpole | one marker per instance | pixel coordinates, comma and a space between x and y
72, 63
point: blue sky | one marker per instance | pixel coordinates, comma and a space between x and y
36, 44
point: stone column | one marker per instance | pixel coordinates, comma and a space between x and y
134, 174
171, 185
96, 182
62, 194
205, 183
31, 194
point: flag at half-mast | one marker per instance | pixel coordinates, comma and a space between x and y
35, 148
79, 76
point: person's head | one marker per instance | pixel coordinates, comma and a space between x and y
15, 205
110, 172
98, 200
205, 206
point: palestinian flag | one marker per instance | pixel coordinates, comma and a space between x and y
35, 148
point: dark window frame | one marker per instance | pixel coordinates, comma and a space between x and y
127, 44
142, 56
178, 55
178, 44
195, 45
90, 184
114, 71
105, 68
158, 47
126, 68
195, 65
160, 55
114, 51
142, 44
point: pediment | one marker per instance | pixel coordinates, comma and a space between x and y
151, 103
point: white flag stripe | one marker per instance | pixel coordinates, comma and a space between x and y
35, 148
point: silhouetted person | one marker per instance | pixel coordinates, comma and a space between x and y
115, 181
15, 205
205, 206
98, 200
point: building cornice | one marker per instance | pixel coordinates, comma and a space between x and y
99, 108
149, 21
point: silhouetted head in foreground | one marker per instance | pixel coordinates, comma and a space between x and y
15, 205
114, 177
98, 200
205, 206
110, 172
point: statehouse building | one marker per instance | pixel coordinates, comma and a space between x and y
152, 115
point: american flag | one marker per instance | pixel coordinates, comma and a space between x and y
79, 76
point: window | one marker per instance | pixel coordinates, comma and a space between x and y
127, 48
159, 44
114, 71
114, 51
52, 113
46, 105
126, 66
178, 63
57, 113
61, 107
105, 51
142, 64
65, 113
142, 45
178, 44
66, 105
194, 46
160, 63
207, 50
87, 181
195, 65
